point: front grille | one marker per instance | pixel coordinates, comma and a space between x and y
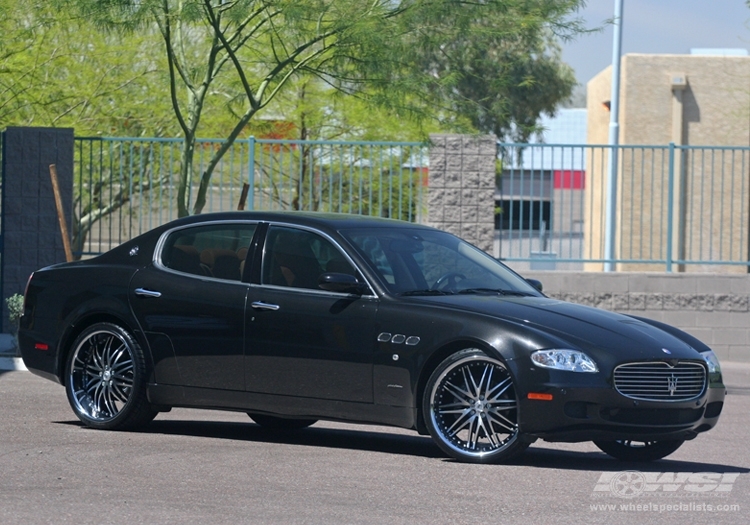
661, 381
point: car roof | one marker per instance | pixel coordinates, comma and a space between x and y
322, 220
329, 223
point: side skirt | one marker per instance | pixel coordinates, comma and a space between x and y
282, 406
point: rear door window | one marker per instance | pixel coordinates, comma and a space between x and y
212, 250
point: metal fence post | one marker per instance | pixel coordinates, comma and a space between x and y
670, 207
251, 173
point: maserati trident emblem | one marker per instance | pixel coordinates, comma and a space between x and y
672, 384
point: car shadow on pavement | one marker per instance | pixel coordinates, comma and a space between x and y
352, 439
600, 462
414, 445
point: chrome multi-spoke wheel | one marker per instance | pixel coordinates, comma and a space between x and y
106, 379
471, 409
629, 450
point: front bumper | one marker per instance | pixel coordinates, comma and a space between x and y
596, 411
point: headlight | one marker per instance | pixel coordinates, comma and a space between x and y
571, 360
713, 362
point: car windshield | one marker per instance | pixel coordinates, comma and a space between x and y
413, 261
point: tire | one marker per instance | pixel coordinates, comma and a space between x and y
105, 379
471, 409
279, 423
628, 450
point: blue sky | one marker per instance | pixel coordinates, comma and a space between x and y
658, 26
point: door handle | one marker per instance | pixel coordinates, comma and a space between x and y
260, 305
142, 292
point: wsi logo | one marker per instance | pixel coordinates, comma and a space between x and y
632, 483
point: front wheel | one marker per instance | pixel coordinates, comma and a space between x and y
627, 450
106, 379
471, 409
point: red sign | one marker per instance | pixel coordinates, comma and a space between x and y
570, 179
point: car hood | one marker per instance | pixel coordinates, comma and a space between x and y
587, 328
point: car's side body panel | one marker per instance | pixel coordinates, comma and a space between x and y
61, 301
314, 345
203, 319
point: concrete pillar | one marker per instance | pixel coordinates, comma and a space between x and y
30, 231
461, 187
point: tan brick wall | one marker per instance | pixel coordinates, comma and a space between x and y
598, 90
716, 101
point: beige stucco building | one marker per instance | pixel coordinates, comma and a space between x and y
687, 100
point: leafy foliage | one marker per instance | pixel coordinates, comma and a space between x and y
14, 303
58, 70
496, 64
325, 69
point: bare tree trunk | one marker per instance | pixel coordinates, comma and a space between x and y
186, 176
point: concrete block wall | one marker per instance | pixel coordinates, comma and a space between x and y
30, 229
715, 308
461, 187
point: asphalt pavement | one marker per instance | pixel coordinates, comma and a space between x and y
204, 467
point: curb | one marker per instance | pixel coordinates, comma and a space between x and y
12, 363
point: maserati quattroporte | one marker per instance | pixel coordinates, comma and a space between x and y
299, 317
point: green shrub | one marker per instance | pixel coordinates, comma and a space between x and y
15, 311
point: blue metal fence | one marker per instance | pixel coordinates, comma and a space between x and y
679, 208
125, 186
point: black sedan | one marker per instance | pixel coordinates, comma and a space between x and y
296, 317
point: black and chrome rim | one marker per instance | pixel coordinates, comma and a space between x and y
474, 406
102, 374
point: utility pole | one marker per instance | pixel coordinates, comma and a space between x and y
610, 233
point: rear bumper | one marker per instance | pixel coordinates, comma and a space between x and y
44, 362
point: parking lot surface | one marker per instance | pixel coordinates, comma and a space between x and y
195, 466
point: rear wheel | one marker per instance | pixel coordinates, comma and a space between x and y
106, 379
471, 410
279, 423
627, 450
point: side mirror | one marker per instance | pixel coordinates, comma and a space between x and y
341, 283
536, 284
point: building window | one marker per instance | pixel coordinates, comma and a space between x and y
523, 214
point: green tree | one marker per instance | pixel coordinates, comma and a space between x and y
501, 68
262, 44
57, 70
18, 38
259, 46
311, 110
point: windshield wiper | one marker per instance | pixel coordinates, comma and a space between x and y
499, 291
425, 292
